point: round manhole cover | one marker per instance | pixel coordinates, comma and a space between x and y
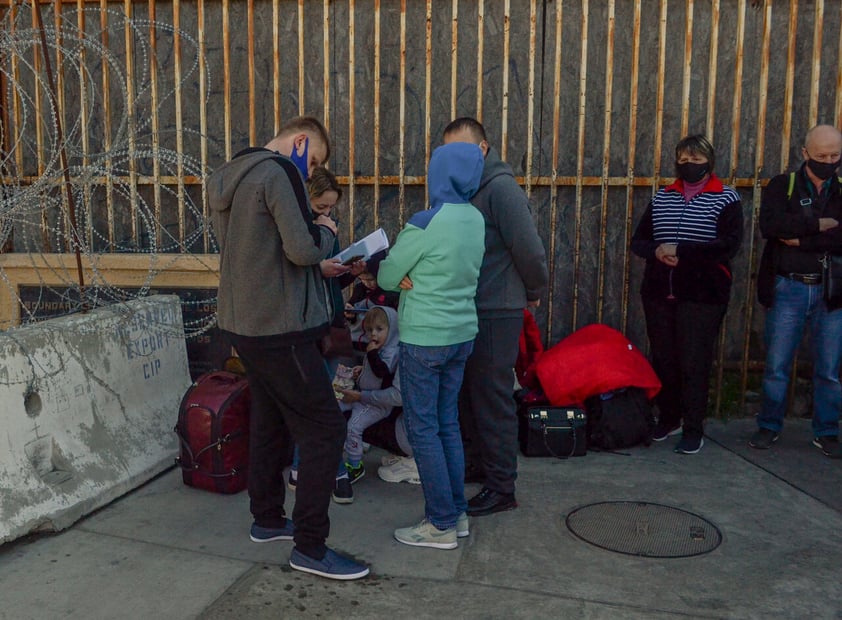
644, 529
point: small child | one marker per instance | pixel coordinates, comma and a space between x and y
365, 295
378, 382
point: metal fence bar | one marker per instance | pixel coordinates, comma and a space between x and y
712, 71
659, 105
559, 11
402, 106
155, 118
454, 54
377, 83
480, 49
203, 117
179, 121
816, 65
226, 76
276, 66
688, 63
326, 62
580, 160
530, 114
131, 115
606, 159
352, 94
786, 125
250, 68
302, 108
504, 112
631, 150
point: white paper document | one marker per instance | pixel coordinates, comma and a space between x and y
364, 248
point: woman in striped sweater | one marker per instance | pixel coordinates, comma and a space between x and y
689, 233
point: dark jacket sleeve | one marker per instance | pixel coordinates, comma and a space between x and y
643, 243
776, 220
517, 228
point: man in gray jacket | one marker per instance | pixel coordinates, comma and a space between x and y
513, 276
273, 307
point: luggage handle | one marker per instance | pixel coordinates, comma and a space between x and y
193, 458
546, 427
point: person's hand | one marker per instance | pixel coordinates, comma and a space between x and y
826, 223
356, 371
666, 253
533, 304
349, 396
332, 267
357, 268
324, 220
406, 283
794, 243
372, 346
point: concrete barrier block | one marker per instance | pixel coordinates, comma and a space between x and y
88, 403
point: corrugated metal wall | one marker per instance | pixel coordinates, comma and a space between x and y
585, 99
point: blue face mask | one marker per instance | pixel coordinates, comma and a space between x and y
301, 161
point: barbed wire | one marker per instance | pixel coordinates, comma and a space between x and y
113, 215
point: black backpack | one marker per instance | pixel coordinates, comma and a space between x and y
619, 419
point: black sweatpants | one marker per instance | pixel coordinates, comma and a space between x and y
682, 338
291, 400
487, 408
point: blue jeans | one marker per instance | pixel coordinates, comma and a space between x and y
430, 382
795, 305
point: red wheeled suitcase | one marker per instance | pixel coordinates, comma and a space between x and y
213, 429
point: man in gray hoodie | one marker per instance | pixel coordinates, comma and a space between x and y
273, 308
513, 276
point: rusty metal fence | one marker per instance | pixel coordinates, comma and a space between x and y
584, 98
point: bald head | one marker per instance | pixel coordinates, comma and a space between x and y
826, 139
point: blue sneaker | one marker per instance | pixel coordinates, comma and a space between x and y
332, 566
261, 534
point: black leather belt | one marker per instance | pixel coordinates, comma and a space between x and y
804, 278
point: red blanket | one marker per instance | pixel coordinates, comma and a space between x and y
593, 360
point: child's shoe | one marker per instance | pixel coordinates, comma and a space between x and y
402, 470
355, 473
343, 493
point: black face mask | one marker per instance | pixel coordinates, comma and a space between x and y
690, 172
823, 170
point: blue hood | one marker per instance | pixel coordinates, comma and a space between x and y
454, 173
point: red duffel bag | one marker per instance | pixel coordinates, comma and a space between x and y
213, 429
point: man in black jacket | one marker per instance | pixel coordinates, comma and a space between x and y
799, 217
513, 276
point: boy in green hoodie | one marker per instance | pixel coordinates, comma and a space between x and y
437, 257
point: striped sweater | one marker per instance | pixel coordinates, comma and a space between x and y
708, 231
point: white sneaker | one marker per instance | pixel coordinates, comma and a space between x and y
390, 459
402, 470
425, 534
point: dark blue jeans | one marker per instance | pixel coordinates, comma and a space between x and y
795, 306
430, 382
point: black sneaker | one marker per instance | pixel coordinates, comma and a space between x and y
487, 502
689, 445
662, 431
343, 493
355, 473
763, 439
829, 445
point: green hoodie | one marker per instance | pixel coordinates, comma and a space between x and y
441, 251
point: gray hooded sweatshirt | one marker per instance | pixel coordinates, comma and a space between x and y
270, 283
514, 267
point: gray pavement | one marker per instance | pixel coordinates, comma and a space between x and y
170, 551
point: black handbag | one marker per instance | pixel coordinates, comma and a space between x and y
553, 431
832, 280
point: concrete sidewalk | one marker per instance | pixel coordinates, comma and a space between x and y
169, 551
